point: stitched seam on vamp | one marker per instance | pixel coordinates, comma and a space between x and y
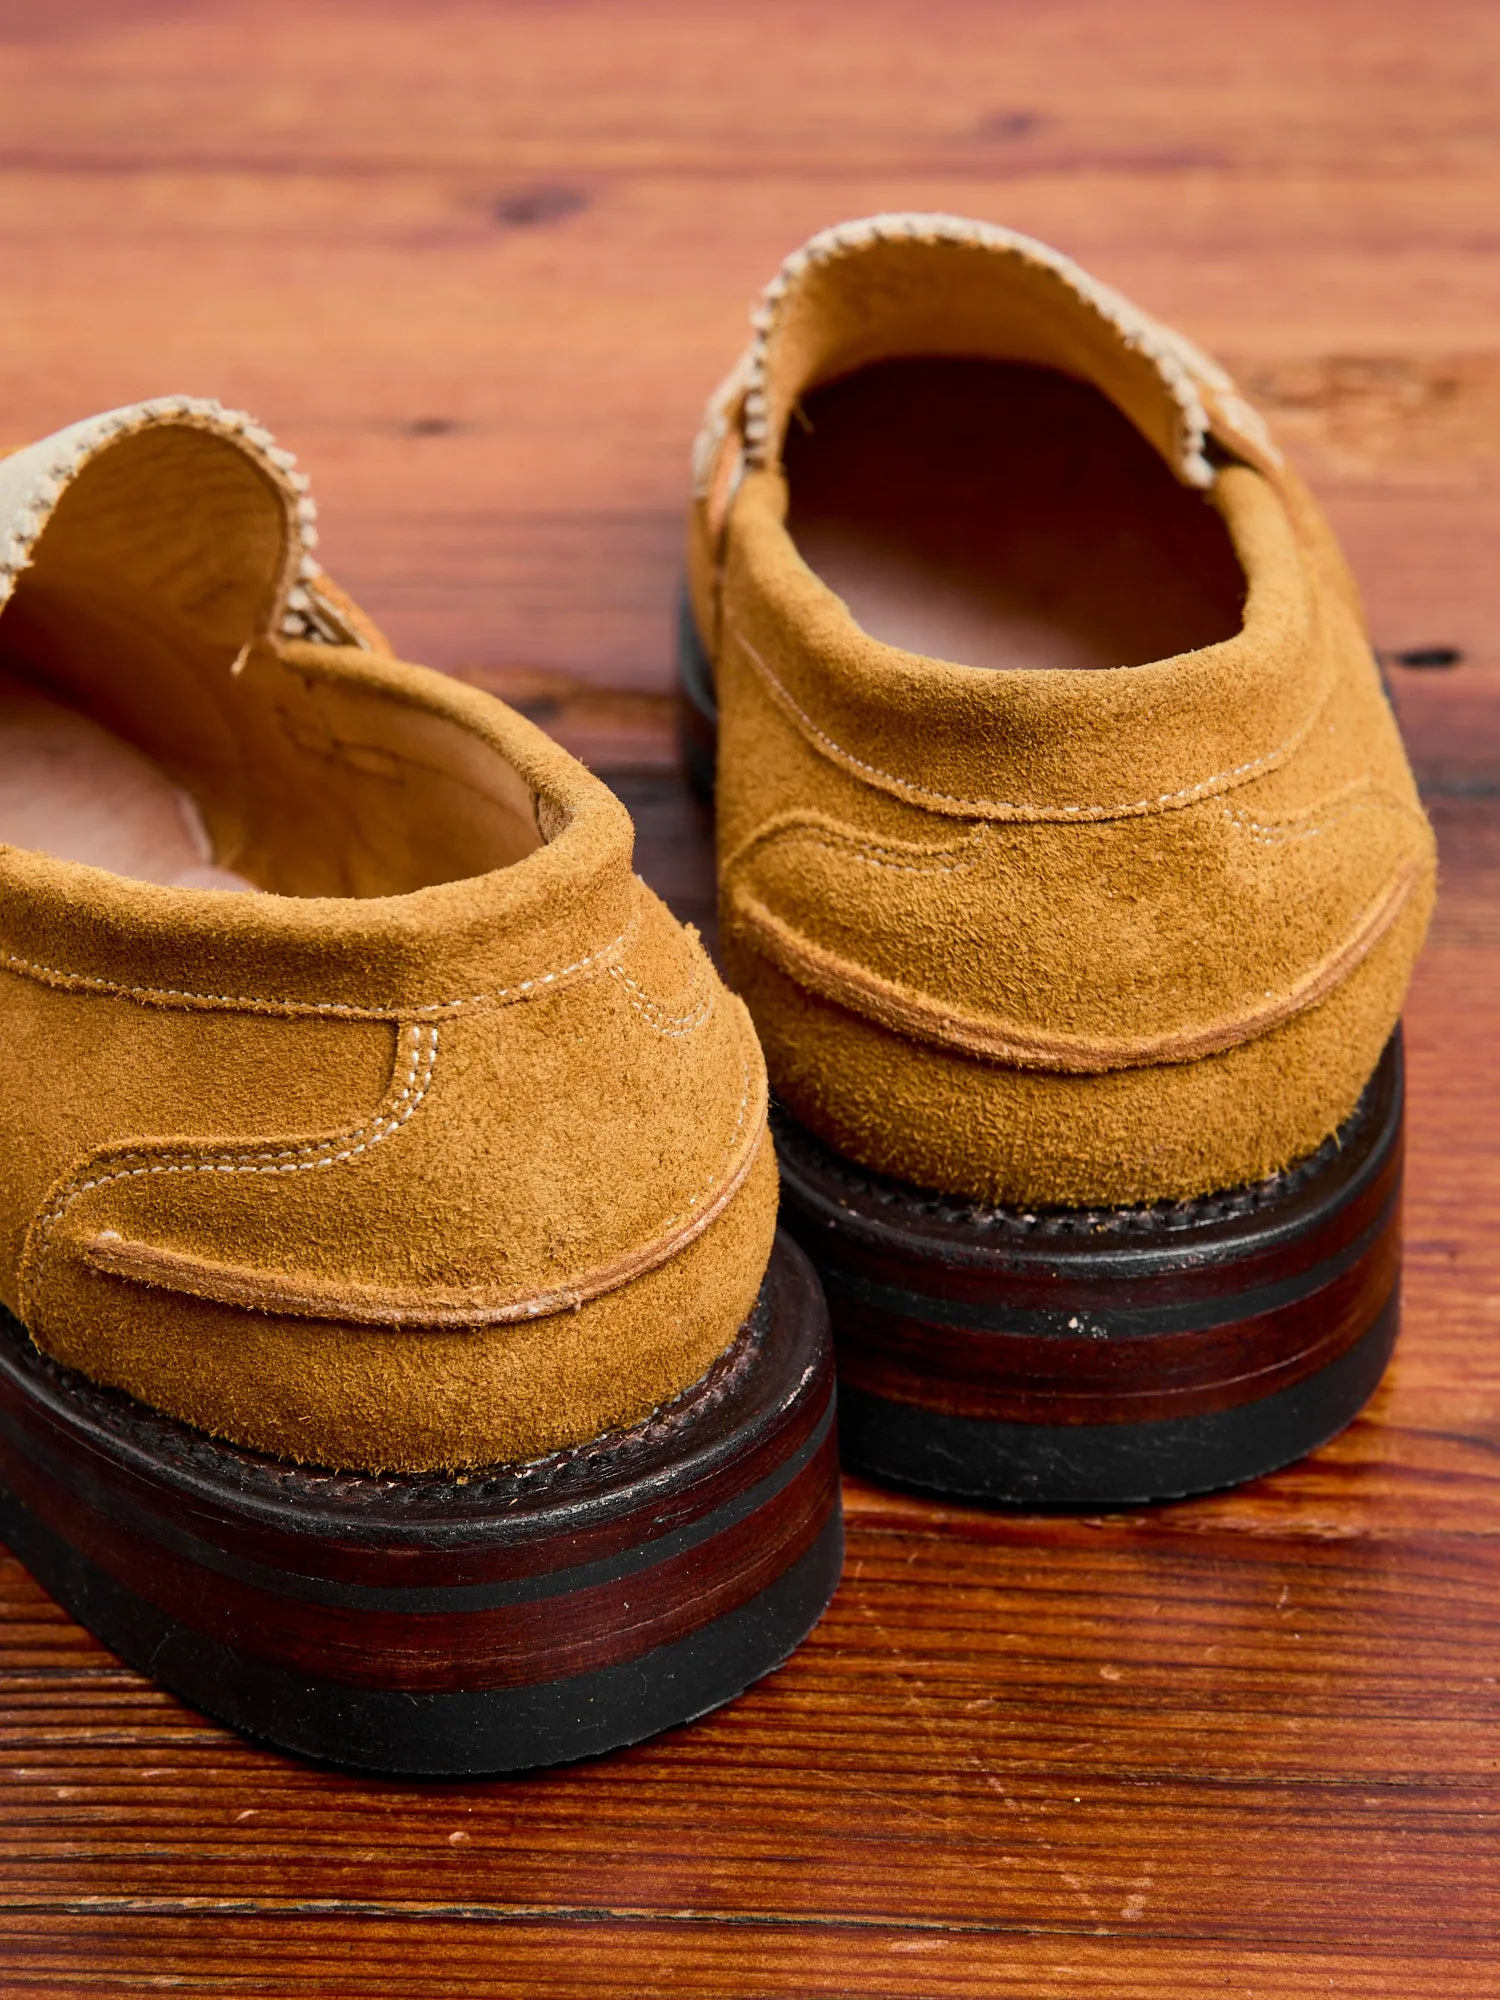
1282, 833
875, 996
51, 974
533, 984
394, 1113
1123, 810
814, 830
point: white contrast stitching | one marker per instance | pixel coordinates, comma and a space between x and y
1236, 414
715, 427
1124, 810
531, 985
1277, 833
656, 1015
876, 856
165, 995
397, 1108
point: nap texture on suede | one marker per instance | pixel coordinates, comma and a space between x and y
447, 1147
1120, 905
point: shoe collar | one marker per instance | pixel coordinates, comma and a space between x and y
277, 657
1033, 745
898, 284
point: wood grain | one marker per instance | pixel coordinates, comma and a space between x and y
479, 264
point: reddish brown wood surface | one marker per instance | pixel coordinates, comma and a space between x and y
479, 264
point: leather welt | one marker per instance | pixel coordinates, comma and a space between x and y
1022, 1046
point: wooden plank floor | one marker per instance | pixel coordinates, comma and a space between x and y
479, 264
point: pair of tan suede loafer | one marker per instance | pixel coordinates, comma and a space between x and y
401, 1357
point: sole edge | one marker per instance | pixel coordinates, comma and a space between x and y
1090, 1465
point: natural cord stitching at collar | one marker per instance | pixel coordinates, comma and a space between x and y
74, 446
1183, 370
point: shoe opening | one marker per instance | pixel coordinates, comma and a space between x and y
154, 722
1004, 515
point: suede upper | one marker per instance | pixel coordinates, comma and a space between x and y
1035, 935
448, 1148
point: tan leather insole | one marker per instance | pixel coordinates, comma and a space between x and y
71, 789
1002, 515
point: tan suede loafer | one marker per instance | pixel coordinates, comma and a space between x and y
1070, 866
405, 1379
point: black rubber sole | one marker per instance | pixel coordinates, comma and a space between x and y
460, 1734
1106, 1357
426, 1626
1095, 1465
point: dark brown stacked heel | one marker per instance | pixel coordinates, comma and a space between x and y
446, 1626
1101, 1356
